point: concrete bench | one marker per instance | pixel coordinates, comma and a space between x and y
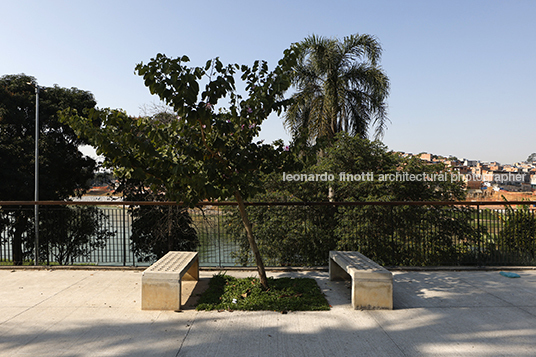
372, 284
161, 282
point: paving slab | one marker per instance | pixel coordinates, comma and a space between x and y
98, 313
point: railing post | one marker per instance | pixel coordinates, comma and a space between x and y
124, 238
219, 237
479, 257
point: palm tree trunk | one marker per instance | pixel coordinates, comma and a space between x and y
251, 239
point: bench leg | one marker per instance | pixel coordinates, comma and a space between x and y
193, 272
336, 272
161, 294
372, 294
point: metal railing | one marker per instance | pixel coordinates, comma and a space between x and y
289, 233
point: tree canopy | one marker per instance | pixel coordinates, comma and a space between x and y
63, 169
208, 151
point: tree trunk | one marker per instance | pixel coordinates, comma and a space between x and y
251, 239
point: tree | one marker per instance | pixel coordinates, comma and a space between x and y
158, 112
71, 233
64, 171
157, 229
364, 171
518, 233
206, 152
532, 157
339, 87
389, 178
382, 232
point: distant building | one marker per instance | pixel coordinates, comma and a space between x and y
426, 157
533, 181
470, 163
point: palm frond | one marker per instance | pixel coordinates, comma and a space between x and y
339, 87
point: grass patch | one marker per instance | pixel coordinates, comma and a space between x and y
285, 294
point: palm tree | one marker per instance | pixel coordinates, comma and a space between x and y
339, 87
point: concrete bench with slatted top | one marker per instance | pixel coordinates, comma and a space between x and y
161, 282
372, 284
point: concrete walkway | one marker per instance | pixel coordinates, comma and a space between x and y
97, 313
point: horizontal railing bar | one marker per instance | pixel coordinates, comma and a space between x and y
226, 203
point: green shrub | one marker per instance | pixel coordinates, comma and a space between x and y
518, 233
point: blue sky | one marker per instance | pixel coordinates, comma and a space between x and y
463, 73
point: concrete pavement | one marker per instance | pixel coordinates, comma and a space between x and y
97, 313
